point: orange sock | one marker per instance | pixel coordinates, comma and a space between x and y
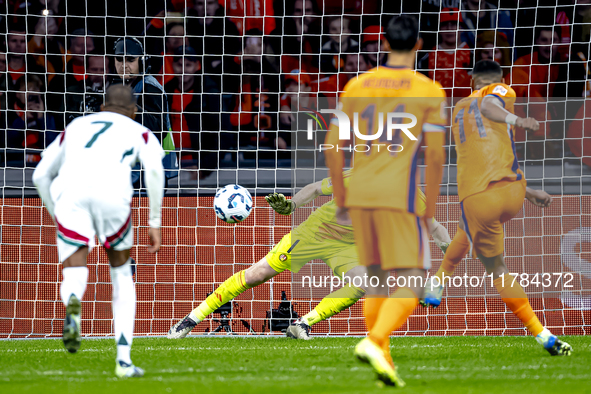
516, 299
371, 309
456, 251
393, 314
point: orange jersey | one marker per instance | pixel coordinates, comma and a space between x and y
383, 175
485, 149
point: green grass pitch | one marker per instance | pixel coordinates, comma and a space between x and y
437, 365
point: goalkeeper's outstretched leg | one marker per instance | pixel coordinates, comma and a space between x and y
334, 303
345, 297
233, 286
338, 251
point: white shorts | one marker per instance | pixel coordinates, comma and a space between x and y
79, 218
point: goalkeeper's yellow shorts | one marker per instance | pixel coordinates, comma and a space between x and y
293, 253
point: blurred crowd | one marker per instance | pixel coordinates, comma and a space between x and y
224, 75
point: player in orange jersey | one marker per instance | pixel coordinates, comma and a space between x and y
381, 197
491, 188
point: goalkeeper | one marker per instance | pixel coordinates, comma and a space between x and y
319, 237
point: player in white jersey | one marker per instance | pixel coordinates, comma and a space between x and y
84, 180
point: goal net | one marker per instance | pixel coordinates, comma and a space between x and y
231, 72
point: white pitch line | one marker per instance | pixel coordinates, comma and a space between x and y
52, 350
309, 347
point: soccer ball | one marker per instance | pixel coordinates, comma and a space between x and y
232, 203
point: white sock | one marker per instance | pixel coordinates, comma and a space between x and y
74, 282
543, 336
194, 318
123, 309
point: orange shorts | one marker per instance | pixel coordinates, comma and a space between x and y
390, 238
484, 213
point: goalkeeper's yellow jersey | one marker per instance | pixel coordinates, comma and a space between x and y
323, 220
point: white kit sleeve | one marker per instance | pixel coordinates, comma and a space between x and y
151, 155
47, 169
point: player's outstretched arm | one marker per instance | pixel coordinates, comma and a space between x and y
492, 109
47, 170
283, 206
151, 156
538, 197
280, 203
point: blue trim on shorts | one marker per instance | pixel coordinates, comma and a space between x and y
515, 166
420, 229
465, 221
412, 184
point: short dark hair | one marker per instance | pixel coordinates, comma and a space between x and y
22, 84
402, 33
119, 96
81, 32
185, 53
96, 55
170, 26
487, 67
540, 29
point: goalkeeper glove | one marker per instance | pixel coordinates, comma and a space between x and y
443, 246
280, 204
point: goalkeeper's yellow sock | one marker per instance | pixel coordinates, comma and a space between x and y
333, 303
230, 289
515, 298
456, 251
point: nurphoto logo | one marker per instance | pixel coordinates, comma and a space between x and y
388, 133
